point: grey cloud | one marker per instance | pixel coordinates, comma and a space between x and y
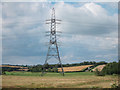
86, 20
24, 26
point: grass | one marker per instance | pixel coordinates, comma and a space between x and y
56, 80
52, 74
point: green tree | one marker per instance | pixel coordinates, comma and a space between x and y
111, 68
55, 69
49, 69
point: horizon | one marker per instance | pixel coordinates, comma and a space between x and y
55, 63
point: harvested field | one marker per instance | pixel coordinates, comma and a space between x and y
74, 68
16, 67
10, 66
100, 67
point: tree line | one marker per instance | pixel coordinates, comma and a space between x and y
54, 67
110, 68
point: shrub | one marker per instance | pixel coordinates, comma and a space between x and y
49, 69
3, 72
114, 85
55, 69
99, 73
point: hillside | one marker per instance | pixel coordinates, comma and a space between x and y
13, 68
99, 67
74, 68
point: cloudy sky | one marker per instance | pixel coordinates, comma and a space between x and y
89, 32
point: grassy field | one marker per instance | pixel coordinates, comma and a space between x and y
56, 80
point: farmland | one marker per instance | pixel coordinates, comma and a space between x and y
13, 68
74, 68
76, 76
56, 80
100, 67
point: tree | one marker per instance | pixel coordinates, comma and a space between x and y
49, 69
55, 69
111, 68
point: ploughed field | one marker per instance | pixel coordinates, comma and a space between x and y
56, 80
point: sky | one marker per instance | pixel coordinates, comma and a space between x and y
89, 32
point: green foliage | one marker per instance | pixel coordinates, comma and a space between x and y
114, 85
85, 63
49, 69
2, 72
9, 69
55, 69
82, 63
111, 68
51, 74
95, 87
37, 68
99, 73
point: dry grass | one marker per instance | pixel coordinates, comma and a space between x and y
100, 67
79, 81
74, 68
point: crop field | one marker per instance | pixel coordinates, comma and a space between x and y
10, 66
56, 80
99, 67
74, 68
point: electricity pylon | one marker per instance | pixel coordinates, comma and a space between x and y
53, 45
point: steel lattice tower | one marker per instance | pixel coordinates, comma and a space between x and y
53, 46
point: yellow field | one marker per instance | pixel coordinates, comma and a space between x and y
100, 67
10, 66
20, 68
74, 68
58, 81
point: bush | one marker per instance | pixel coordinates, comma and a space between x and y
99, 73
49, 69
55, 70
114, 85
3, 72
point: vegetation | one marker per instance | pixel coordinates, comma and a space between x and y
56, 80
114, 85
52, 74
50, 68
33, 78
99, 73
111, 68
85, 63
